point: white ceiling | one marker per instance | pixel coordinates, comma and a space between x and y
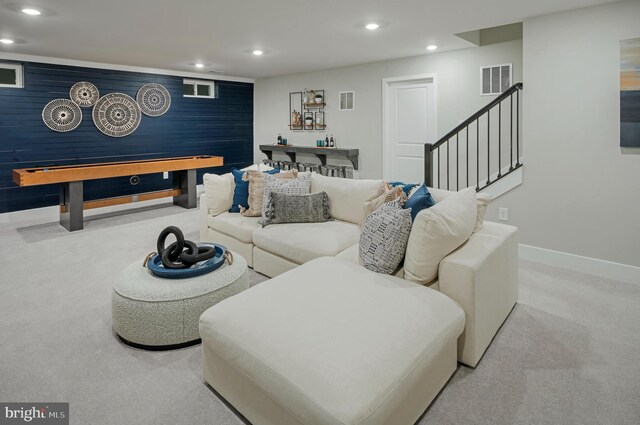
297, 35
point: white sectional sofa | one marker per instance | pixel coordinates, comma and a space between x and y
481, 276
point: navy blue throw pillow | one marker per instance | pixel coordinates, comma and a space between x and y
241, 192
419, 201
406, 187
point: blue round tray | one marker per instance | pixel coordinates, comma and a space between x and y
155, 265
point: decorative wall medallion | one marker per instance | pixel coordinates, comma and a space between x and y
62, 115
84, 94
116, 115
153, 99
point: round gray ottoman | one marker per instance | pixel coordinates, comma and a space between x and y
154, 313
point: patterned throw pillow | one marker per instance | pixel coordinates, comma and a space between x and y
283, 208
256, 190
298, 186
383, 241
241, 191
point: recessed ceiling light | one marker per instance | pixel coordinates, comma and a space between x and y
432, 47
199, 65
257, 52
32, 12
6, 41
372, 26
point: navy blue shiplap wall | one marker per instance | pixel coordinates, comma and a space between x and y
192, 126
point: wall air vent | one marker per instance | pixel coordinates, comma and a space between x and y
346, 101
495, 79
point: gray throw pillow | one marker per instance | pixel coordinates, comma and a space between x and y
284, 208
298, 186
384, 237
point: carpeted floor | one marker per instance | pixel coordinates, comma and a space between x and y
566, 355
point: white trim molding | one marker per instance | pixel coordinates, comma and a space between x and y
594, 266
100, 65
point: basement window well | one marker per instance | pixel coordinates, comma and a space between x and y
199, 88
11, 75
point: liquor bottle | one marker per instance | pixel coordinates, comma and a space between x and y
326, 141
279, 139
332, 143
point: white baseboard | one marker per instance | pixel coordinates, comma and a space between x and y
594, 266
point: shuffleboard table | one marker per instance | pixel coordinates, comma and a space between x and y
71, 178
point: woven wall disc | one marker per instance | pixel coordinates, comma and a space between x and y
116, 115
154, 99
84, 94
62, 115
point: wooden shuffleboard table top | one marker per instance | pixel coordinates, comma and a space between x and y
81, 172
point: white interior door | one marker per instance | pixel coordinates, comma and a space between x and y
410, 121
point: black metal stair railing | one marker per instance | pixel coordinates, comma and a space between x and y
438, 175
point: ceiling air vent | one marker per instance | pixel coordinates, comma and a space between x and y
346, 100
495, 79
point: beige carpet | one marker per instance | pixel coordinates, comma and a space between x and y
566, 355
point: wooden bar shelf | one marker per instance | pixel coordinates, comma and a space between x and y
320, 153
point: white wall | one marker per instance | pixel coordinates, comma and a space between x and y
458, 79
580, 195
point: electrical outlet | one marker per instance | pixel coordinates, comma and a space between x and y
165, 175
503, 214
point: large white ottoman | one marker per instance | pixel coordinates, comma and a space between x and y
156, 313
330, 342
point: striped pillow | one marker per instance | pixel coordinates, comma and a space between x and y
256, 181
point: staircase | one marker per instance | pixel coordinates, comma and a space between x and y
483, 151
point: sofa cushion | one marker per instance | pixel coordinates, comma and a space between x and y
347, 347
406, 187
388, 196
437, 231
299, 186
219, 191
484, 199
347, 196
420, 200
241, 190
234, 224
256, 181
283, 208
384, 238
302, 242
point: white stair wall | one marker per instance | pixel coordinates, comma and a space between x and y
505, 184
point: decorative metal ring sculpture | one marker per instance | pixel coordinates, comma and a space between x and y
116, 115
84, 94
154, 99
182, 253
62, 115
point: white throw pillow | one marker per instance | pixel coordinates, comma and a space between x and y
438, 231
347, 196
484, 199
219, 191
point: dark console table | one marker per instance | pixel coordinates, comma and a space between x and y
321, 153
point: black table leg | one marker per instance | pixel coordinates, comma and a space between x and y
185, 180
71, 206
